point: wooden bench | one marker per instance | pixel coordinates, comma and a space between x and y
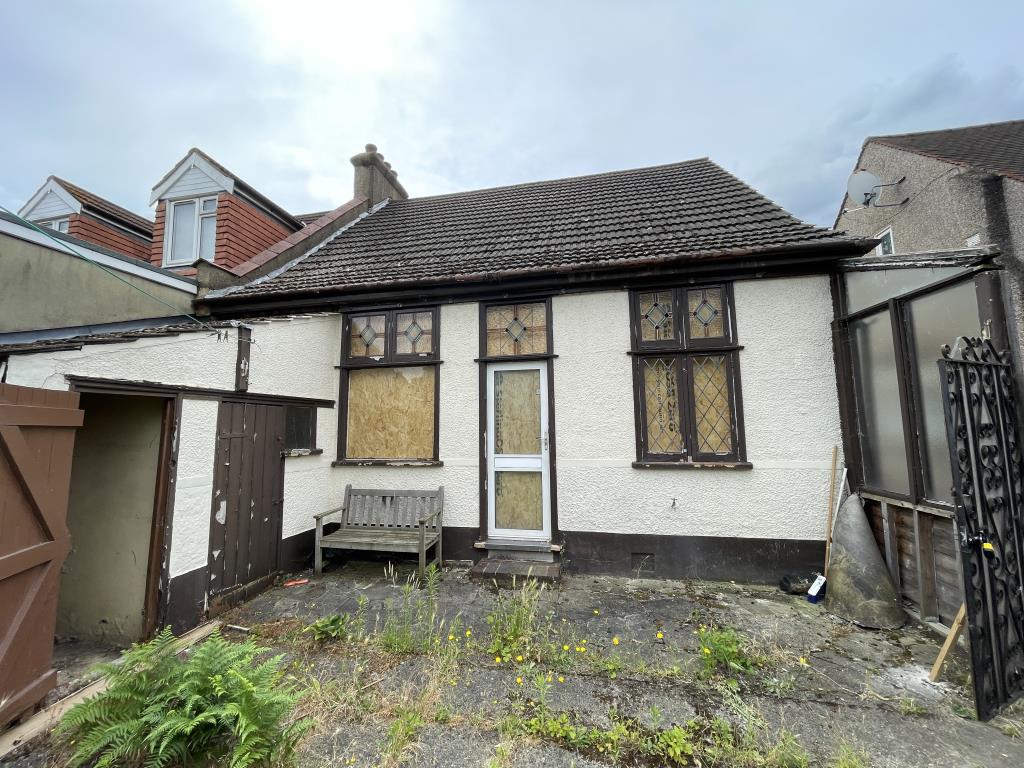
384, 521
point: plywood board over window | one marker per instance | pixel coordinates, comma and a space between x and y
389, 386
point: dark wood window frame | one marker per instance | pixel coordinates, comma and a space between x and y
308, 445
390, 359
986, 281
682, 349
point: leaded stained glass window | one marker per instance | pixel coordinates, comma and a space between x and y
517, 329
414, 333
656, 322
706, 313
367, 335
686, 369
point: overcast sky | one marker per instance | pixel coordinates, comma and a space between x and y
475, 94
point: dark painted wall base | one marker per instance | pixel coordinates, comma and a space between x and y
186, 600
681, 557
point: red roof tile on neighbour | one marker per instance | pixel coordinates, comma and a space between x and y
994, 147
687, 210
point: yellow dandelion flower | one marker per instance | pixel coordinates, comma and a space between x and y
597, 612
583, 642
561, 679
519, 658
615, 641
661, 635
469, 633
565, 647
519, 681
451, 637
497, 659
706, 651
583, 649
804, 662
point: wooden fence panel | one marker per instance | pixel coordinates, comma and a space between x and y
37, 434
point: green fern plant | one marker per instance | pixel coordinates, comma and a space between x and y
219, 704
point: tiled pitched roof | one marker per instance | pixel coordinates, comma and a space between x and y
112, 337
994, 147
107, 208
687, 210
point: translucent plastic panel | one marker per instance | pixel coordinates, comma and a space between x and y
517, 329
661, 405
391, 413
656, 322
517, 412
935, 320
712, 411
366, 335
878, 403
863, 289
207, 237
518, 501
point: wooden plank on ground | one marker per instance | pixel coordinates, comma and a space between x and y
951, 638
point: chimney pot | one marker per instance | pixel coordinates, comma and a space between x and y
371, 148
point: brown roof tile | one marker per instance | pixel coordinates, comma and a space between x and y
687, 210
994, 147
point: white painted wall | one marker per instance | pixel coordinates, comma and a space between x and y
790, 406
788, 384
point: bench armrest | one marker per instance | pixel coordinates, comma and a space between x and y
423, 520
328, 513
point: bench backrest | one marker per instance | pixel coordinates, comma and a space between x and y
376, 508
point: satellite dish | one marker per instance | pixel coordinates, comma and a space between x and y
863, 188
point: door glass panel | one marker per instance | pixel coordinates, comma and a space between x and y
874, 286
517, 412
938, 319
518, 502
878, 398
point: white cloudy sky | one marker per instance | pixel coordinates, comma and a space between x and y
459, 95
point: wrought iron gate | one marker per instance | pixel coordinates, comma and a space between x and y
988, 482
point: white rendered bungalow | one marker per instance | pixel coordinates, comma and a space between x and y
626, 372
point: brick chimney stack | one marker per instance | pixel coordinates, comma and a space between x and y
374, 178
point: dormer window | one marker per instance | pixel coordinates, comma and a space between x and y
61, 225
192, 225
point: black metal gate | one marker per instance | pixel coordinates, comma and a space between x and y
988, 483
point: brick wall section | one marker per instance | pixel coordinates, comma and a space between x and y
243, 231
85, 227
156, 251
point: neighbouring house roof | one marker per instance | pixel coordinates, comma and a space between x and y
994, 147
305, 218
77, 342
684, 211
195, 157
78, 199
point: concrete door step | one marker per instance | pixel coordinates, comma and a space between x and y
505, 571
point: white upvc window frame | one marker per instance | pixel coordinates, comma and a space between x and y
58, 225
879, 251
198, 215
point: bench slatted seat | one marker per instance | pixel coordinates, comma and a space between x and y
384, 521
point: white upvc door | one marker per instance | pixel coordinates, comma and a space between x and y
518, 465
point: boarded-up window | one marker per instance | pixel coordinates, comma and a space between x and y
685, 353
389, 386
391, 413
517, 329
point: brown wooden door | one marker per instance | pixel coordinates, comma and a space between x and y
37, 436
248, 490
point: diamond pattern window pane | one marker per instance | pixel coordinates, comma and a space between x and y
661, 401
415, 333
656, 321
706, 318
366, 335
712, 409
517, 329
